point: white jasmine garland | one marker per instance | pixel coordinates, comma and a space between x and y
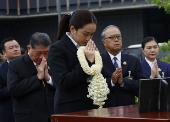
98, 88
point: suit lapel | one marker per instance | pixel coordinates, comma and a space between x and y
108, 63
29, 64
5, 66
5, 69
160, 66
69, 44
124, 64
146, 68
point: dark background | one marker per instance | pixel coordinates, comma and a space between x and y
134, 23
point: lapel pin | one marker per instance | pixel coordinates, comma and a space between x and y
124, 63
129, 73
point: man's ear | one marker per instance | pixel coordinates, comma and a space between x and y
4, 53
28, 47
104, 43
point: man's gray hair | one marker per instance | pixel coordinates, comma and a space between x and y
39, 39
103, 32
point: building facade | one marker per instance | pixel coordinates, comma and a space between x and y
135, 18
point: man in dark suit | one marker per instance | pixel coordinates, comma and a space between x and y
10, 49
30, 84
122, 71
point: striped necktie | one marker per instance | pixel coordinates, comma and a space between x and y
115, 63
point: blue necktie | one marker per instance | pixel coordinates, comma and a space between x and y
115, 63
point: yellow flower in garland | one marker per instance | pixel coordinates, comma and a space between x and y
98, 88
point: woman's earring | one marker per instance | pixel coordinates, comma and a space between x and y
72, 33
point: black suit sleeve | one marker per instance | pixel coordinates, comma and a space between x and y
108, 80
3, 81
138, 74
133, 85
17, 86
65, 68
133, 65
3, 90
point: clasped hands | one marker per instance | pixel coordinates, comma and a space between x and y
43, 70
155, 70
90, 50
117, 76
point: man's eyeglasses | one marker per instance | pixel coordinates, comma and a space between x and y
114, 37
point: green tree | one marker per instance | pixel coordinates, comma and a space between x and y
165, 47
162, 4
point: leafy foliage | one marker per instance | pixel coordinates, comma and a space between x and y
165, 47
162, 4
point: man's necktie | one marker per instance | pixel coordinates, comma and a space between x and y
115, 63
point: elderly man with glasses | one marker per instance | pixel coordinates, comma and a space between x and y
122, 71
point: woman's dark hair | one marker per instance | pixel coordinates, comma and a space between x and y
148, 39
78, 19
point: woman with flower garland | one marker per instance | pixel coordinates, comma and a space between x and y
75, 30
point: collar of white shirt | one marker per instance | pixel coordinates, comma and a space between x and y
75, 43
149, 62
33, 61
118, 56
